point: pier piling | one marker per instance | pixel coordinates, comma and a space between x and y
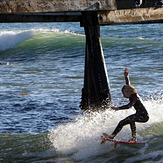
96, 91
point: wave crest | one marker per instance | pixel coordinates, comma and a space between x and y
9, 39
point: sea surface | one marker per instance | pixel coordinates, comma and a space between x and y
41, 77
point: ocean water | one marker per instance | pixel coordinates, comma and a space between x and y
41, 79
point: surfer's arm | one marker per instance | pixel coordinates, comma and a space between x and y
126, 75
125, 106
121, 107
129, 105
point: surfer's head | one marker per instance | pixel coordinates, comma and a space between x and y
128, 90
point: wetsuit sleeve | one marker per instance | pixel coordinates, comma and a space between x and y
127, 80
129, 105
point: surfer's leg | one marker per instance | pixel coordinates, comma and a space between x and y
133, 131
129, 120
141, 118
136, 118
121, 124
132, 125
109, 136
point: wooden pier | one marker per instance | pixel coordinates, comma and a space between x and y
91, 14
115, 17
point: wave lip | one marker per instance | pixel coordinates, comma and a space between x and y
9, 39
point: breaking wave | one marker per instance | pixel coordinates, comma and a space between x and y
82, 138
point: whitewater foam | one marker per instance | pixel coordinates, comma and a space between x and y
141, 158
83, 136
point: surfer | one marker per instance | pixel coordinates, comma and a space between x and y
141, 114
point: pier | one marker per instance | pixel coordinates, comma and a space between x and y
91, 14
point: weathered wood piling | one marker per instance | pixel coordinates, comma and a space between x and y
96, 91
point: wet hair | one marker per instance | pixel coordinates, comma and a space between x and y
129, 88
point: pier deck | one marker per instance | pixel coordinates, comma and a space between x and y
123, 16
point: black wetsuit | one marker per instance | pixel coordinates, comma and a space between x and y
141, 115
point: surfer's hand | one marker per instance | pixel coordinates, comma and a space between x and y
115, 108
126, 72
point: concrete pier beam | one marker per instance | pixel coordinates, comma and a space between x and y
131, 16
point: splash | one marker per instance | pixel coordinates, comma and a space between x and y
82, 138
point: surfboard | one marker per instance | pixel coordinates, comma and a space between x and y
134, 144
